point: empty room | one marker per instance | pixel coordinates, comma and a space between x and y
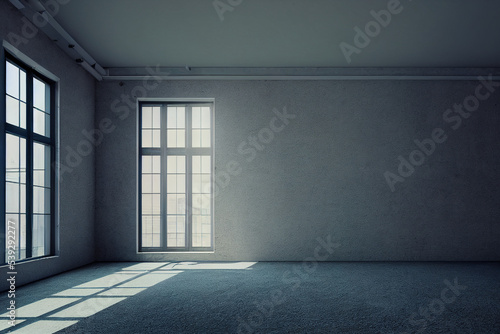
250, 166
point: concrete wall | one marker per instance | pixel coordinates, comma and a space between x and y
77, 105
323, 174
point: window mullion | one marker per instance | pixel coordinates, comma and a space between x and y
163, 177
189, 195
29, 164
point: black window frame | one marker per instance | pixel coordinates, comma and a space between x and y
31, 138
163, 152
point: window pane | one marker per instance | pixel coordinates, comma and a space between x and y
176, 183
181, 224
41, 235
201, 201
147, 224
202, 231
181, 183
22, 115
181, 164
40, 91
196, 164
12, 111
147, 239
205, 118
181, 138
22, 159
171, 184
17, 225
156, 183
147, 183
41, 165
12, 76
150, 231
181, 117
196, 183
176, 240
12, 169
156, 204
181, 240
205, 138
146, 164
41, 123
150, 138
196, 140
156, 138
38, 156
38, 200
176, 164
150, 204
156, 164
197, 240
150, 200
41, 200
156, 239
196, 224
147, 204
176, 138
196, 118
201, 123
147, 117
171, 117
150, 184
151, 164
201, 172
171, 138
15, 189
172, 224
206, 166
156, 117
176, 117
37, 235
205, 183
22, 79
176, 204
201, 204
12, 197
147, 138
22, 198
171, 240
206, 240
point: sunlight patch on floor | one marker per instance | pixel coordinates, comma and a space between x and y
44, 327
41, 307
209, 266
87, 307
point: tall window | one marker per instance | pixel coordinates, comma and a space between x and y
175, 169
29, 151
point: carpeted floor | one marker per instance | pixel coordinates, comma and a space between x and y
264, 297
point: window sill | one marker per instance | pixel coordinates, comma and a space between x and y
21, 262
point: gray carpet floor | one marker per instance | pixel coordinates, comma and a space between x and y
264, 297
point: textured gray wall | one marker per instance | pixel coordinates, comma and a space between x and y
77, 105
323, 174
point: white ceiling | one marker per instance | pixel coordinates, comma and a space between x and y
283, 33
